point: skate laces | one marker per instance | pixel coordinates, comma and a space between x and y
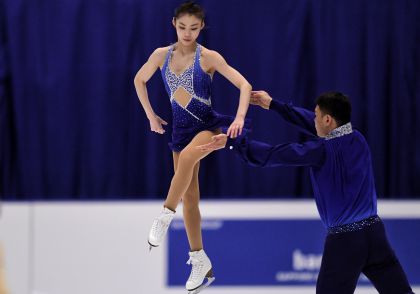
197, 266
160, 225
155, 226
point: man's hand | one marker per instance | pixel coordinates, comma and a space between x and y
217, 142
260, 98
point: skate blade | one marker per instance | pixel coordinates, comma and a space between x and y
151, 246
202, 287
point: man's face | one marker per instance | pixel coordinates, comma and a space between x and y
322, 122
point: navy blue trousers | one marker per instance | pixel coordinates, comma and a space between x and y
367, 251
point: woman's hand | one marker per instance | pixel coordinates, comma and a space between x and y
236, 127
156, 124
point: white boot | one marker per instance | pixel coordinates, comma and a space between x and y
160, 227
201, 269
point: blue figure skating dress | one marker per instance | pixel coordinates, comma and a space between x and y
197, 115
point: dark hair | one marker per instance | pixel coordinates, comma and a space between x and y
191, 8
335, 104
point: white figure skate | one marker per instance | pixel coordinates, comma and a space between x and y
160, 227
201, 269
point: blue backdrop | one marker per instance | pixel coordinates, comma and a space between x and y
290, 257
71, 126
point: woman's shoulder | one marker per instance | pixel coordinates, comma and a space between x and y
161, 51
159, 55
211, 55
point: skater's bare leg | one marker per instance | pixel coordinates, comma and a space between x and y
191, 210
185, 163
187, 160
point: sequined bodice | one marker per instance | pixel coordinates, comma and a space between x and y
197, 83
184, 80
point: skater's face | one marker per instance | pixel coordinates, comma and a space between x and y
324, 123
188, 28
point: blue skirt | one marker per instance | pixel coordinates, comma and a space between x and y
182, 136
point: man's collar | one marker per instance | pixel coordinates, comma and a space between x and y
340, 131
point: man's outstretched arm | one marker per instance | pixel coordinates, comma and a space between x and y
255, 153
297, 116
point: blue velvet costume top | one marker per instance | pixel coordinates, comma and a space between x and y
340, 165
198, 114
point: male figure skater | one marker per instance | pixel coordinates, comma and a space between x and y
343, 185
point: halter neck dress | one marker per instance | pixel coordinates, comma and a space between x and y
197, 115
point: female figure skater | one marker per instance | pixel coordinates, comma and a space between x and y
187, 69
